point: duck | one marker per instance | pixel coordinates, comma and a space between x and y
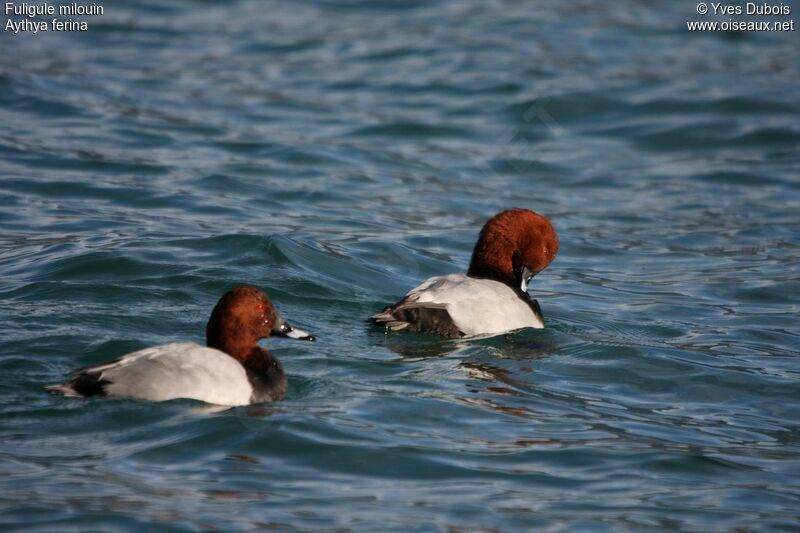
492, 297
230, 370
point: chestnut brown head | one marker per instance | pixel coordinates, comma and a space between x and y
514, 246
242, 316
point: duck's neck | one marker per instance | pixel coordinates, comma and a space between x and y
491, 260
479, 271
264, 371
262, 361
240, 347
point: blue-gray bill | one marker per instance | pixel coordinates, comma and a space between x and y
282, 329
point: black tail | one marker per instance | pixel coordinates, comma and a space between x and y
82, 385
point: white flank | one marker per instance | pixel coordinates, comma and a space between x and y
477, 306
178, 370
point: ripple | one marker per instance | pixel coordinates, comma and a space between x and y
410, 129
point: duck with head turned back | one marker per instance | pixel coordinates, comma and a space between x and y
491, 298
230, 370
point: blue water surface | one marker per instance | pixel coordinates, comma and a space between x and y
338, 152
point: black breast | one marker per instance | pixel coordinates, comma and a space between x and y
266, 376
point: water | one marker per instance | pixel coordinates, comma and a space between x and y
336, 153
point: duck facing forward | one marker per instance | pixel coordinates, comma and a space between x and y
230, 370
491, 298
